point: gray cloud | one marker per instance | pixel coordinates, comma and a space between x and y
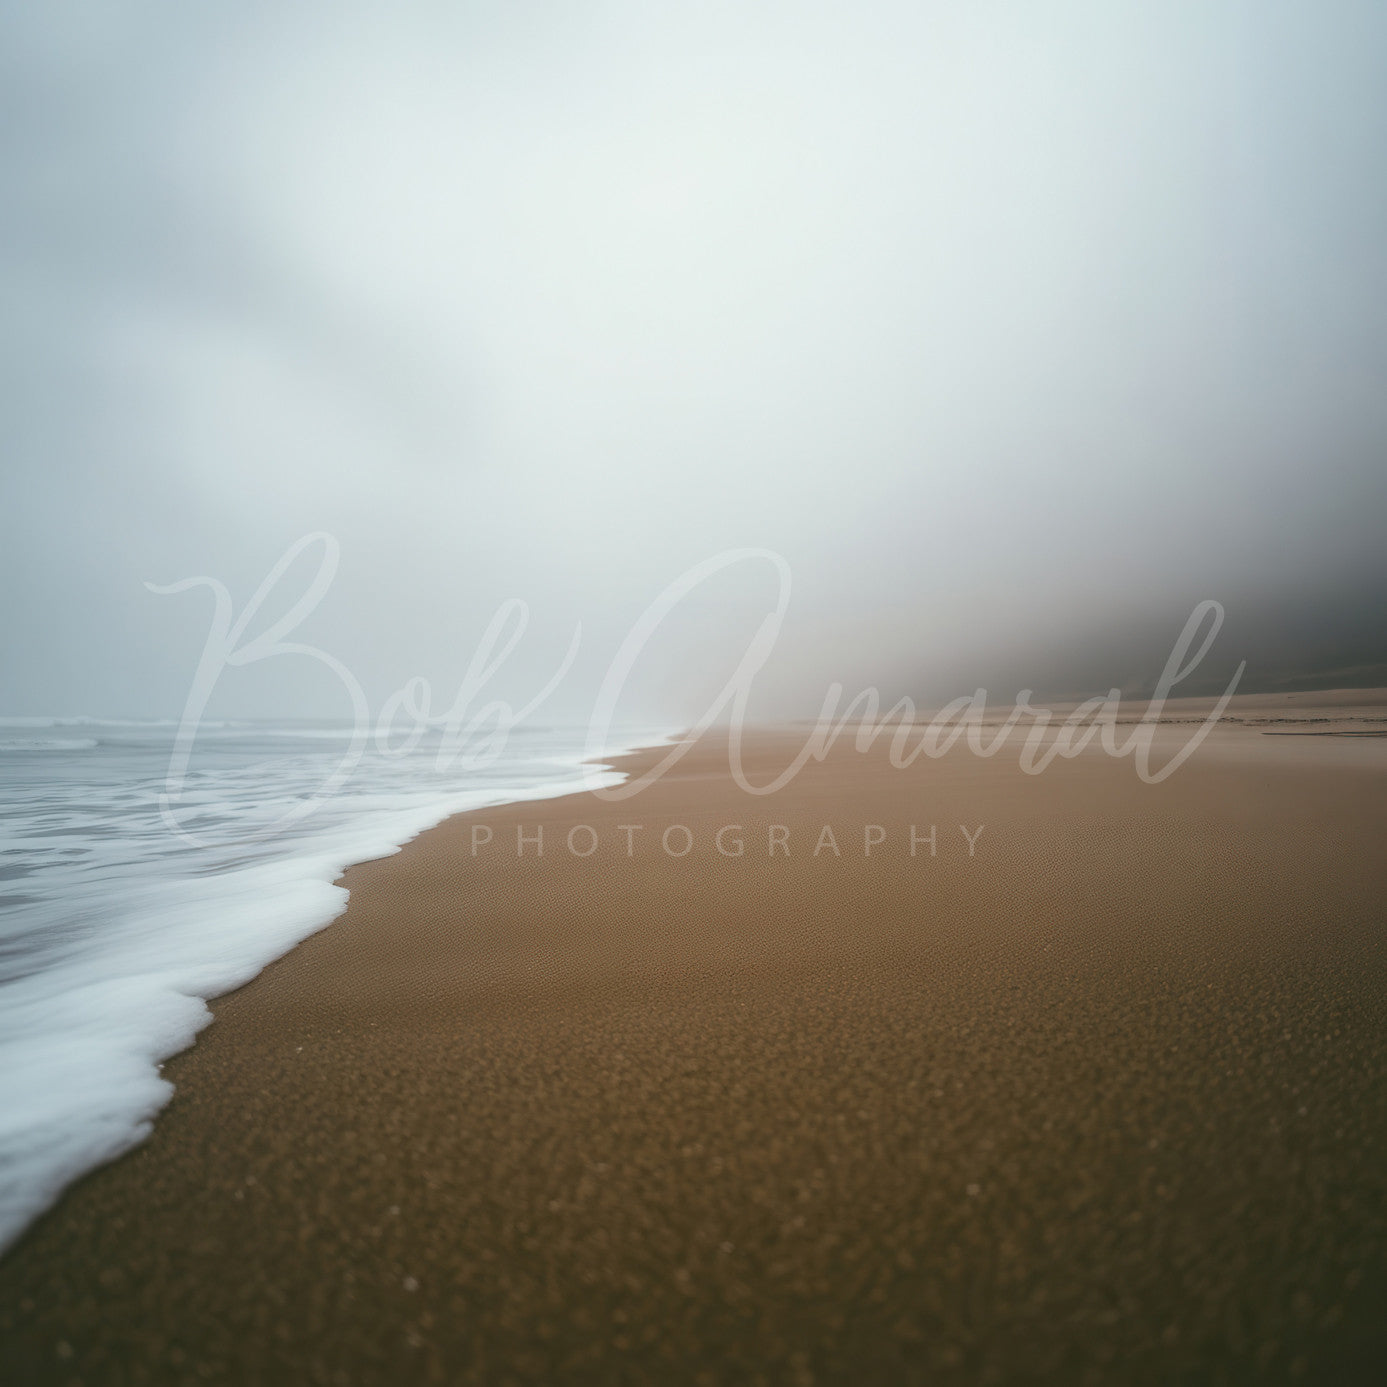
1016, 329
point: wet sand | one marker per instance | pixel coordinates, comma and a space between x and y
1102, 1100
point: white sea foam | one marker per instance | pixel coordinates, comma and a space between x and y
114, 932
46, 744
81, 720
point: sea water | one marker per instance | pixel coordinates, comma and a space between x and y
118, 920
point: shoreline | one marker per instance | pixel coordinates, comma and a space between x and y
102, 1058
1110, 1090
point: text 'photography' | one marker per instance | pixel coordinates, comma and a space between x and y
693, 694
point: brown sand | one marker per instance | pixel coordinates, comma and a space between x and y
1103, 1103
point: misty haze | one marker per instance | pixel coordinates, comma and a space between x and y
1015, 333
693, 694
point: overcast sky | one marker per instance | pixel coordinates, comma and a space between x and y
1015, 328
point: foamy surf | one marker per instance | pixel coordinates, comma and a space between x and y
114, 931
47, 743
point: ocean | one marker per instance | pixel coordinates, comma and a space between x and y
121, 915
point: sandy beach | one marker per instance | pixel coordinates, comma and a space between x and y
1088, 1087
434, 435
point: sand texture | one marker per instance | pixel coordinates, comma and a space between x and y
1103, 1102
